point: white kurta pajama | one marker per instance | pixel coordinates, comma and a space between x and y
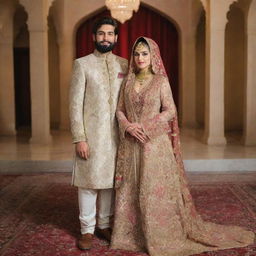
95, 85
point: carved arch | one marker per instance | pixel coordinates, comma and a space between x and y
252, 16
155, 8
205, 2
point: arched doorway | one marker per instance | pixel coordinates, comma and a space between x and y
234, 73
53, 61
21, 71
200, 71
145, 22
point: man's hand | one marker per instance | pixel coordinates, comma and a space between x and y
136, 131
82, 149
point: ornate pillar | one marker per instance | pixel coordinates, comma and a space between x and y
39, 74
215, 46
250, 102
7, 93
66, 55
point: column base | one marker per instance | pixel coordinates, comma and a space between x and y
215, 141
249, 141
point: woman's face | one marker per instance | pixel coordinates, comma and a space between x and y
142, 56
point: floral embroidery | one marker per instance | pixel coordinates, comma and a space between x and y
167, 223
93, 98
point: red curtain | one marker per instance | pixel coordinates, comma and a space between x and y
143, 23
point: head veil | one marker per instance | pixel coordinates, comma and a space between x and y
156, 60
159, 69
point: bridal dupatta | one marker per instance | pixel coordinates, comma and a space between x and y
154, 210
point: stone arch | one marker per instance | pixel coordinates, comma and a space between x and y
232, 2
162, 12
85, 45
132, 30
53, 19
83, 19
175, 79
22, 19
251, 23
24, 5
204, 3
51, 3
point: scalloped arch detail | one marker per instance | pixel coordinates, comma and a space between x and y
204, 3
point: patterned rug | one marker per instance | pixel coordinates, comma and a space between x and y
39, 215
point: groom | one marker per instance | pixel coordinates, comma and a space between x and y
94, 90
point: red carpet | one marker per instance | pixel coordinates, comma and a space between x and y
39, 215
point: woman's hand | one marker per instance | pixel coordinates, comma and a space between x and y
136, 131
82, 149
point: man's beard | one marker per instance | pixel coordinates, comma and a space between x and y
104, 48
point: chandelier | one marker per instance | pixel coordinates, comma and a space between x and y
122, 10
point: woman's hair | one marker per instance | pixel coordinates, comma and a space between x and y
105, 21
143, 41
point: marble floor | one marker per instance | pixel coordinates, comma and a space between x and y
234, 155
61, 148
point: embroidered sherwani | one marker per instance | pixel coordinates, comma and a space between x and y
95, 85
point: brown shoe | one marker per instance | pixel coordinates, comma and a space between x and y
85, 242
104, 233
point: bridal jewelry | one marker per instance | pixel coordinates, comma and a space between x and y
143, 76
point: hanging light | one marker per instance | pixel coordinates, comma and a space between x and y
122, 10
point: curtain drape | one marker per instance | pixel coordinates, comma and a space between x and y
145, 22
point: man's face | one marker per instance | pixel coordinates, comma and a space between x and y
105, 38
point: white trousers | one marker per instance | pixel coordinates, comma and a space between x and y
87, 207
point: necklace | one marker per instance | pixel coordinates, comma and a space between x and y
143, 76
142, 80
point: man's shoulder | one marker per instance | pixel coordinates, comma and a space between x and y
85, 58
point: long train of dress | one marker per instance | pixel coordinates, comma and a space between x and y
154, 210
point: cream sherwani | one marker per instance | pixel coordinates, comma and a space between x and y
94, 91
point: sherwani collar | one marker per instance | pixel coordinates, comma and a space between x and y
105, 56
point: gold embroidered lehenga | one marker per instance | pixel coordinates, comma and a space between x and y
154, 210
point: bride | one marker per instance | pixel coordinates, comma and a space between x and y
154, 210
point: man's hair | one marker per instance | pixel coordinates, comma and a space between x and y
105, 21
